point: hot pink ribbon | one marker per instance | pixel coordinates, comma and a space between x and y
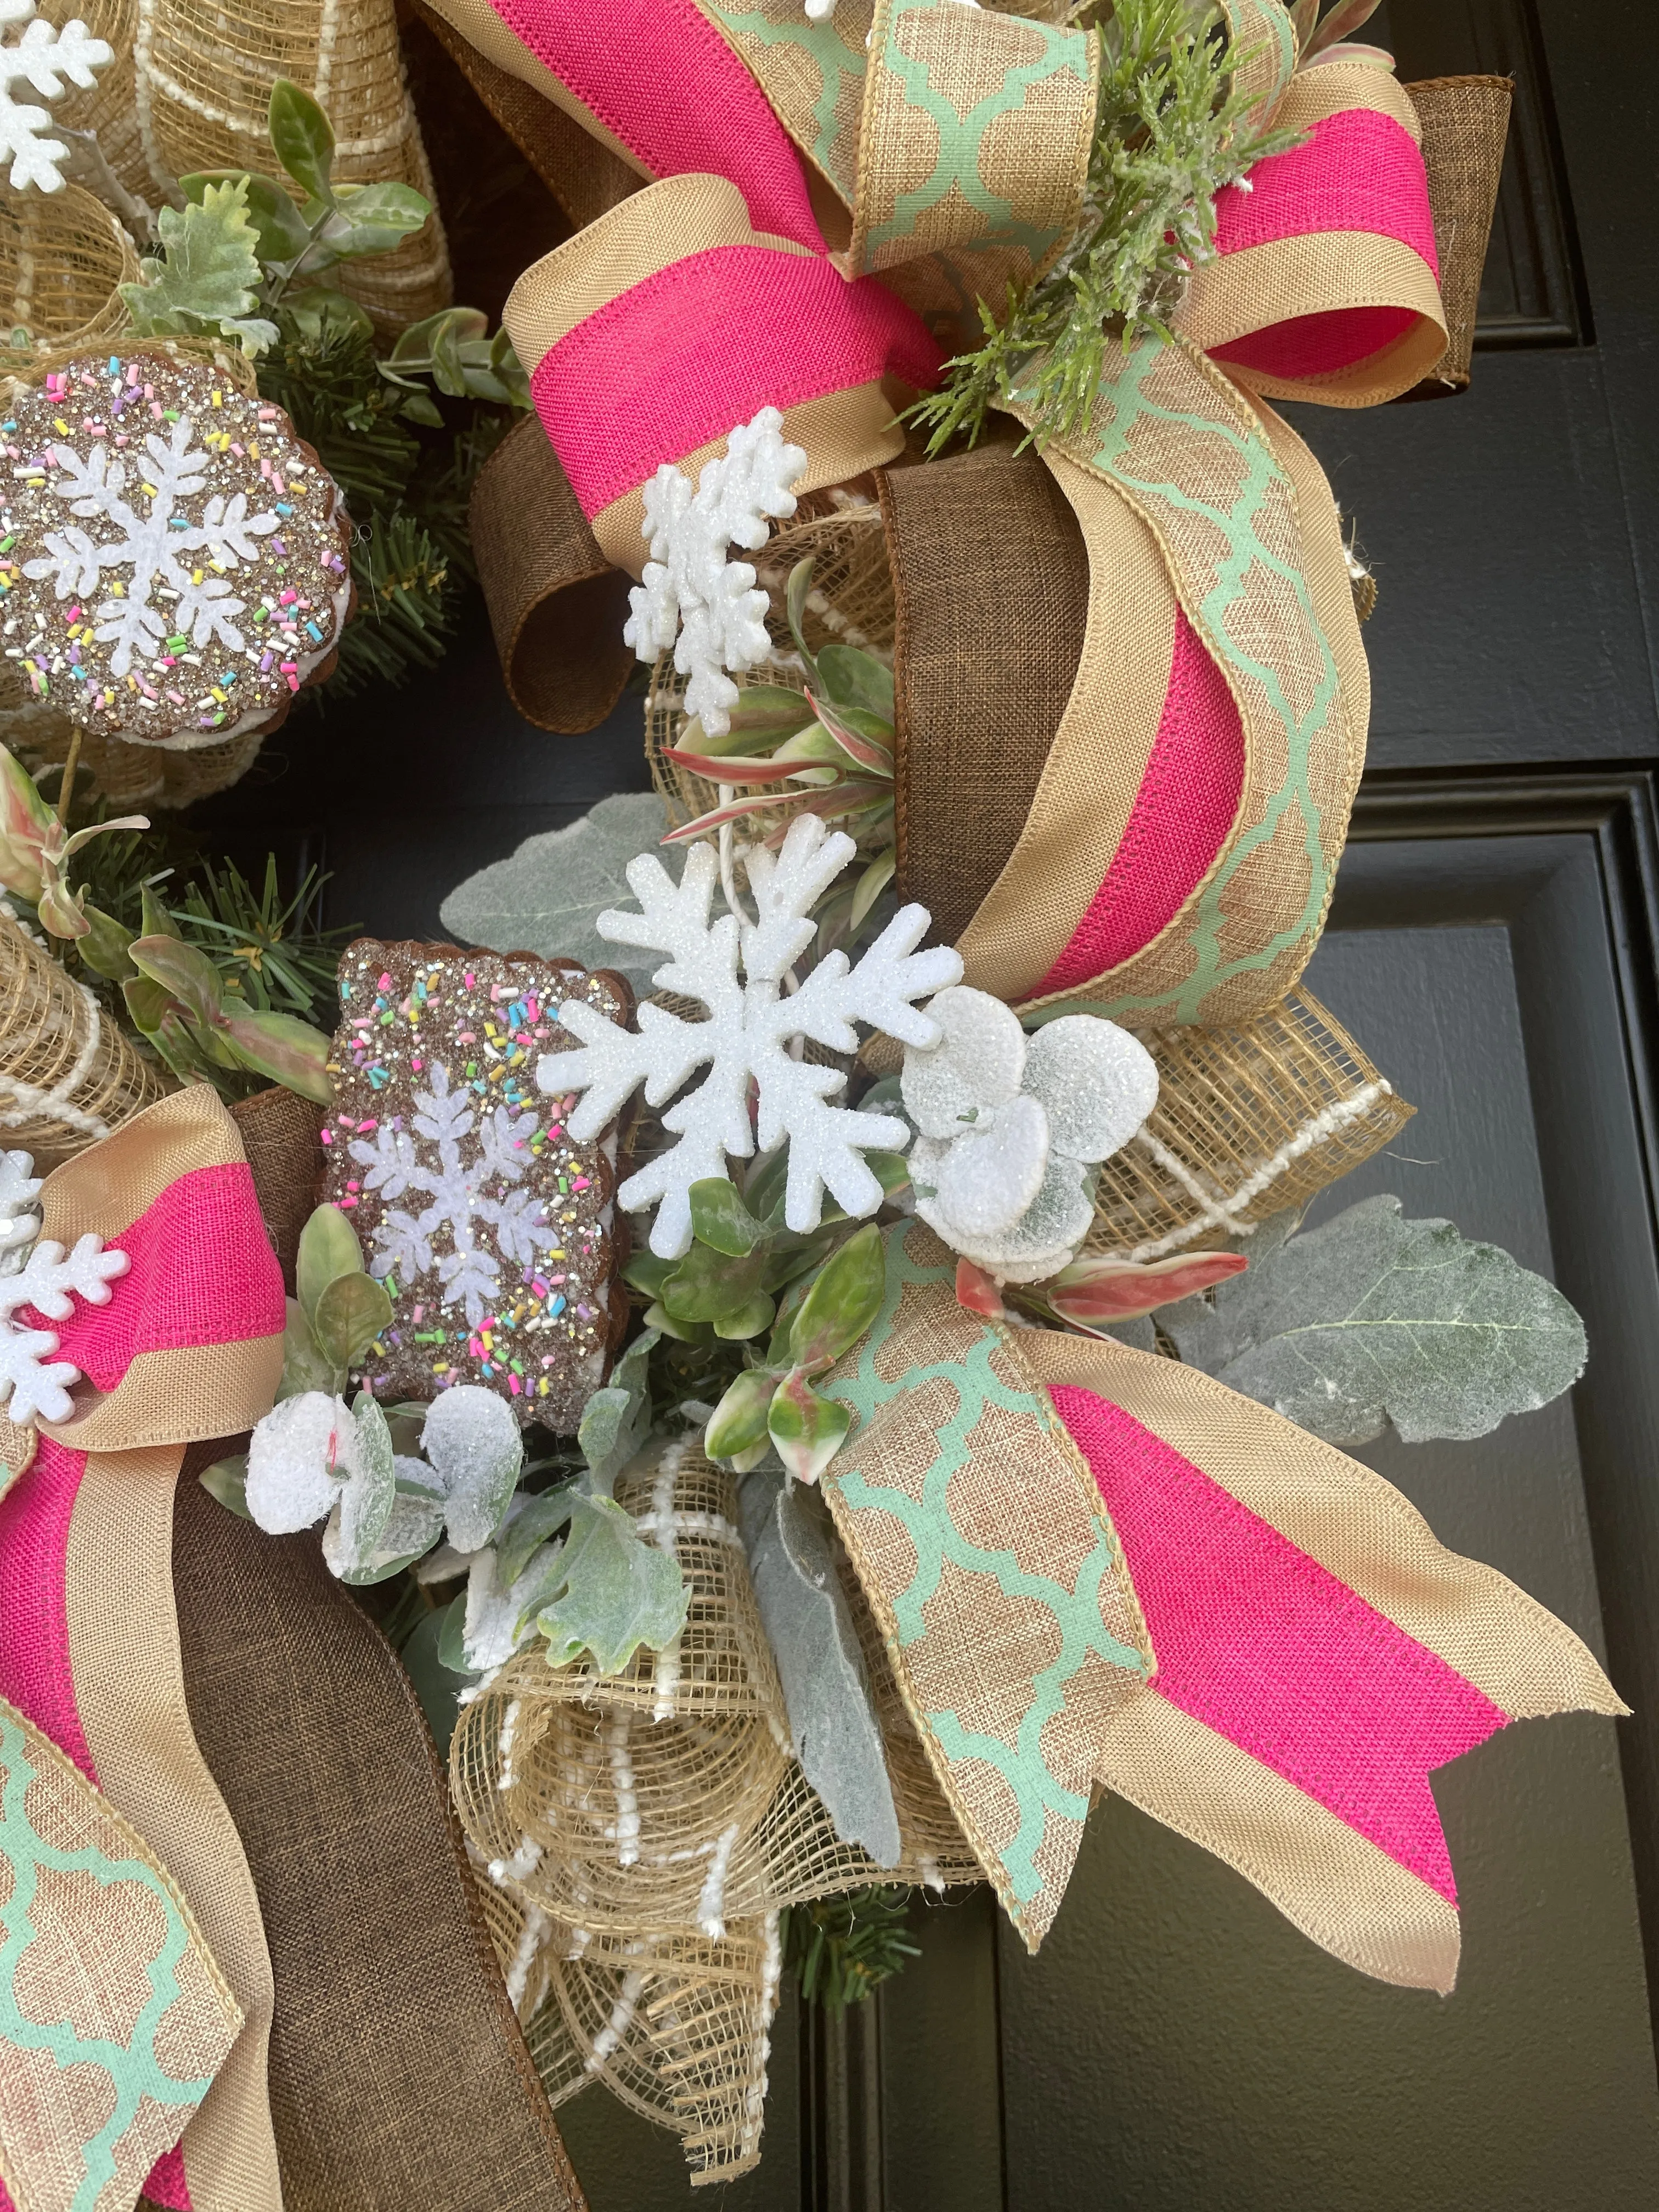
1262, 1645
202, 1273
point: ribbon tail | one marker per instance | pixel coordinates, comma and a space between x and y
1321, 1654
188, 1346
152, 2025
1318, 1653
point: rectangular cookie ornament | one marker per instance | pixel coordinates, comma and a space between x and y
490, 1229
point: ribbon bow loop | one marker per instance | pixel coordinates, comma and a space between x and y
189, 1346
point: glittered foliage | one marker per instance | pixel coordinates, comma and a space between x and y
1372, 1320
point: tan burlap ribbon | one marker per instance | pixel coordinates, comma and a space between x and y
1095, 1567
191, 1343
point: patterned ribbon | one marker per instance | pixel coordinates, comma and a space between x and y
942, 149
829, 206
188, 1347
1317, 1653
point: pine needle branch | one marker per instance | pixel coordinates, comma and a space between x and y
1169, 134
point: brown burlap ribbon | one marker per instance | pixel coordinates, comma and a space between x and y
1465, 123
556, 604
279, 1133
398, 2076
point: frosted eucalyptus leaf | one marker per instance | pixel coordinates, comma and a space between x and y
832, 1719
412, 1527
546, 897
616, 1420
364, 1503
1372, 1319
476, 1452
614, 1593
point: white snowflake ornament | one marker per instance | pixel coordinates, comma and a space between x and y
693, 599
20, 1216
748, 1034
48, 60
1008, 1126
33, 1387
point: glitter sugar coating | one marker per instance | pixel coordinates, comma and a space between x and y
489, 1227
173, 560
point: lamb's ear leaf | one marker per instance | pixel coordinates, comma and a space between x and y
832, 1717
1372, 1319
617, 1592
616, 1420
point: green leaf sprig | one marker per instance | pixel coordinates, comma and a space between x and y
340, 1310
827, 751
1170, 131
772, 1404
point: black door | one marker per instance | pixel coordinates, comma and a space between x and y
1492, 945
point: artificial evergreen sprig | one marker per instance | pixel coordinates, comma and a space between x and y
1170, 133
842, 1948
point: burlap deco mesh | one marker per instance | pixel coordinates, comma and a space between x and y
1248, 1121
636, 1835
62, 255
68, 1076
127, 776
204, 71
108, 109
851, 603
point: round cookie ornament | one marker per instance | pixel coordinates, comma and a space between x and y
174, 558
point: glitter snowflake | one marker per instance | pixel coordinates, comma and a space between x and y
33, 1385
152, 546
455, 1185
751, 1023
693, 599
43, 58
19, 1215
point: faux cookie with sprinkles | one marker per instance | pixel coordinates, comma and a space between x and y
491, 1230
173, 558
